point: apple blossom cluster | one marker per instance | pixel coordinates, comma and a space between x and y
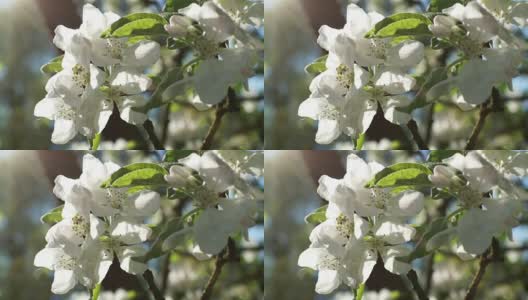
370, 62
96, 74
221, 41
371, 210
105, 59
227, 202
97, 226
104, 213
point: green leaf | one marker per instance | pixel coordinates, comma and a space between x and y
439, 5
173, 43
175, 155
175, 5
402, 174
53, 66
431, 229
137, 24
402, 24
439, 155
437, 75
138, 38
53, 216
439, 194
139, 188
317, 66
165, 230
317, 216
438, 44
139, 174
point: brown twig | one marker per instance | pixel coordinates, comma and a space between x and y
222, 258
165, 272
485, 259
416, 285
485, 109
152, 285
221, 109
149, 128
413, 127
430, 121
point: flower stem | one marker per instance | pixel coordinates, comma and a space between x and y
221, 109
413, 127
360, 141
359, 292
94, 144
152, 285
485, 260
416, 285
95, 292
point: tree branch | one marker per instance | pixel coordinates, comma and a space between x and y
416, 285
485, 260
165, 272
485, 109
149, 127
221, 109
430, 121
413, 127
152, 285
429, 273
165, 121
222, 258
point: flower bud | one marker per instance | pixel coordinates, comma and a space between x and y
178, 26
442, 26
442, 176
179, 176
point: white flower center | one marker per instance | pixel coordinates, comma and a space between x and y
205, 47
203, 197
329, 112
469, 197
345, 76
65, 262
377, 48
379, 198
470, 47
345, 226
81, 76
80, 226
64, 112
114, 48
115, 198
328, 262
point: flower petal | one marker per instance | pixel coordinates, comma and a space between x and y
327, 281
406, 54
142, 54
47, 257
145, 203
63, 132
63, 282
130, 82
328, 131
